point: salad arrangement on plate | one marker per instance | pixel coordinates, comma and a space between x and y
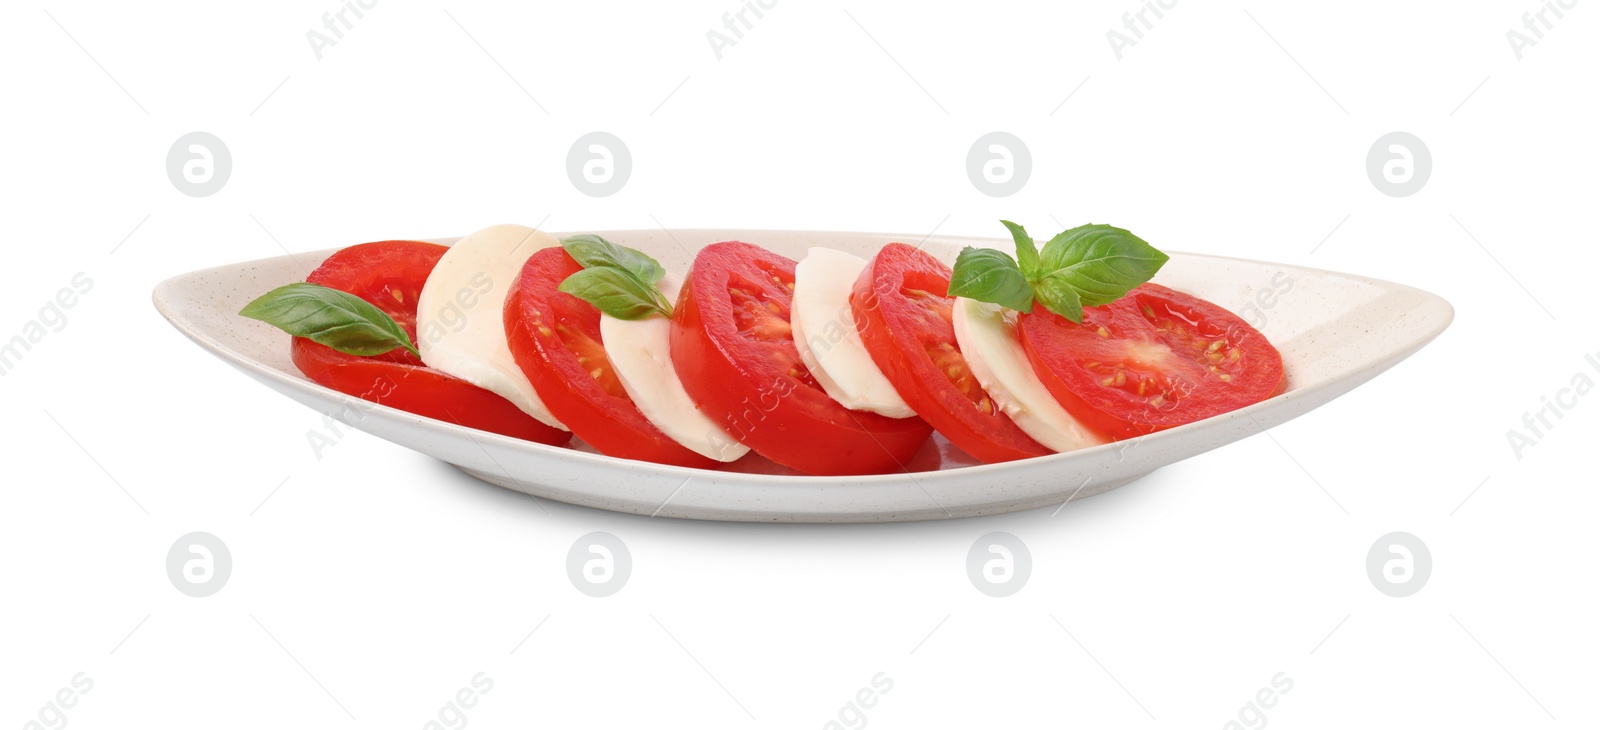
832, 365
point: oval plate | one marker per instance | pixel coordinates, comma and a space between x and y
1335, 331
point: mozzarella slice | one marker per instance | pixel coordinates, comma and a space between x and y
640, 352
460, 317
987, 336
825, 334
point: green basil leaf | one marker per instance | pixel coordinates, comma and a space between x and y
627, 289
616, 292
1027, 252
1100, 262
1057, 295
340, 320
593, 251
988, 275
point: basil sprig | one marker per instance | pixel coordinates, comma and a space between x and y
617, 280
340, 320
1087, 266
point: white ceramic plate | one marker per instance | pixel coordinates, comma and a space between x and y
1335, 331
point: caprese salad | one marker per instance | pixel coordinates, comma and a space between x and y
831, 365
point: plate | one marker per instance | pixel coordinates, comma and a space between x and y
1335, 331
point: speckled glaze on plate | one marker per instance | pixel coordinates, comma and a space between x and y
1335, 331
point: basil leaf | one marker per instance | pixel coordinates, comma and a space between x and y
592, 251
1057, 295
617, 292
988, 275
340, 320
1101, 262
1027, 252
1087, 266
627, 288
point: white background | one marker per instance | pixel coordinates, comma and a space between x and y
374, 583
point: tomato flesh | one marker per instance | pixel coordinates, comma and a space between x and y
555, 339
904, 318
734, 351
1152, 360
390, 275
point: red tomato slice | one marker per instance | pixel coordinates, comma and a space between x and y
904, 318
390, 275
733, 349
555, 339
1152, 360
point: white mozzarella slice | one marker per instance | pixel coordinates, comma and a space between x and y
987, 336
460, 314
640, 352
825, 333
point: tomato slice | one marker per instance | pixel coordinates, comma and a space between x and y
390, 275
904, 318
555, 339
1154, 359
734, 351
